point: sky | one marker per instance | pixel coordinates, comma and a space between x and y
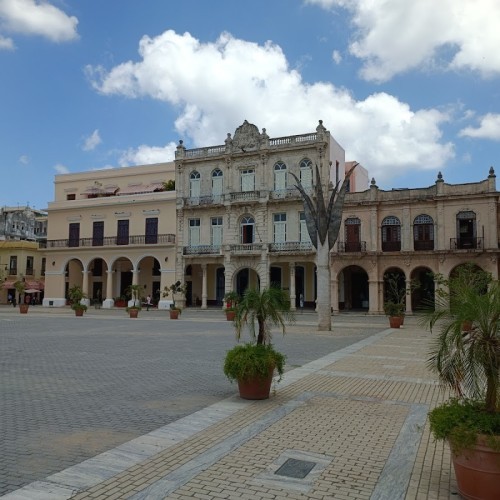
409, 89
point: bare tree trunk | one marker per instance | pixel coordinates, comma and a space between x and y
323, 303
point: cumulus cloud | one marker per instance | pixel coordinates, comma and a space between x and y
92, 141
34, 17
393, 37
61, 169
337, 57
215, 86
489, 128
146, 155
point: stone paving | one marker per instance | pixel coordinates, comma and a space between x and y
352, 410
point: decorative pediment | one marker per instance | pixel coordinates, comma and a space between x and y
246, 138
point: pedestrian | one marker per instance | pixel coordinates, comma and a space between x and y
148, 302
9, 298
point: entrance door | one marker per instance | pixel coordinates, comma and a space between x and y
219, 291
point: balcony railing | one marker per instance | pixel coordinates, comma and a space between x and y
142, 239
30, 271
419, 245
245, 248
291, 247
202, 250
391, 246
466, 243
245, 196
204, 200
13, 271
351, 246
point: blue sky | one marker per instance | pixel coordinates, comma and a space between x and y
407, 88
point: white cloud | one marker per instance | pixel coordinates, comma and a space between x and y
92, 141
24, 159
217, 85
337, 57
394, 36
489, 128
61, 169
146, 155
34, 17
6, 43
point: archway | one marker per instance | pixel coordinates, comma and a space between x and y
422, 295
73, 275
246, 278
395, 286
353, 289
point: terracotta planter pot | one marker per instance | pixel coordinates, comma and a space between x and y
78, 312
174, 314
478, 472
257, 388
466, 326
395, 321
23, 308
133, 313
230, 315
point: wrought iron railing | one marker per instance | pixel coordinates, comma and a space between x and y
466, 243
245, 196
202, 250
351, 246
391, 246
143, 239
291, 247
245, 248
419, 245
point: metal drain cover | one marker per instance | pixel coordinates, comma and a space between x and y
297, 469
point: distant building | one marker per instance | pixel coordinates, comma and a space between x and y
23, 223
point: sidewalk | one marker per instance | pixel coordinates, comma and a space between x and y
350, 425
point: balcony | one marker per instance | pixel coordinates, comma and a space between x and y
246, 249
13, 271
108, 241
201, 201
202, 250
391, 246
466, 243
245, 196
351, 246
421, 245
30, 271
291, 247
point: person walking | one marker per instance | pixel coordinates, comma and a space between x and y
148, 302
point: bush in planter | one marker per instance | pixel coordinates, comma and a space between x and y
176, 288
252, 364
468, 363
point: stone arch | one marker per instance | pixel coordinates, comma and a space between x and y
353, 289
423, 293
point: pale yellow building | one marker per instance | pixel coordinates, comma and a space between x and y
109, 229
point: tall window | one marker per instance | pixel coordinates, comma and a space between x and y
279, 176
466, 230
29, 266
98, 234
423, 232
74, 234
248, 180
122, 233
391, 234
216, 230
194, 184
97, 267
44, 264
304, 233
279, 221
151, 230
247, 229
194, 232
13, 265
352, 227
217, 183
306, 173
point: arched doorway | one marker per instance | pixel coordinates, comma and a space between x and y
422, 294
353, 289
246, 278
395, 286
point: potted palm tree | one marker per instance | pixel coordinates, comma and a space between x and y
230, 300
20, 286
467, 361
175, 289
75, 294
135, 294
253, 364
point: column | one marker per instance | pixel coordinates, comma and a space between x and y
167, 278
408, 309
204, 286
335, 296
108, 303
373, 304
292, 286
85, 288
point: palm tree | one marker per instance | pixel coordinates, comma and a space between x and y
467, 360
269, 307
323, 222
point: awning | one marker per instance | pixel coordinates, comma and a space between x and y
32, 290
140, 189
8, 284
34, 285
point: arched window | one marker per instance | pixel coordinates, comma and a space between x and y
247, 226
194, 184
217, 183
423, 232
466, 230
391, 234
306, 173
352, 227
279, 176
